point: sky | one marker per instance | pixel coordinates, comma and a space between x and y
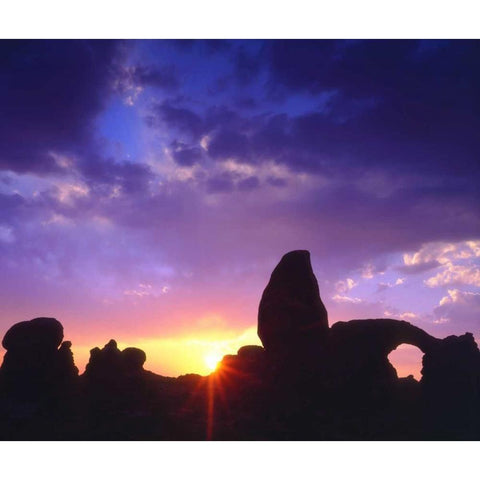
149, 188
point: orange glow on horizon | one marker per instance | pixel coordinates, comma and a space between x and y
176, 356
212, 360
203, 348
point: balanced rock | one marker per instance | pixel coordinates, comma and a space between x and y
133, 359
292, 319
33, 365
39, 333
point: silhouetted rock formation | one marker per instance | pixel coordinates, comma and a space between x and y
109, 363
133, 359
451, 386
358, 351
67, 363
37, 334
251, 353
292, 319
104, 364
308, 382
451, 368
33, 365
116, 385
249, 359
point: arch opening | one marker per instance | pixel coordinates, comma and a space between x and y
407, 360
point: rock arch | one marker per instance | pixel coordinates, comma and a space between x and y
381, 334
358, 350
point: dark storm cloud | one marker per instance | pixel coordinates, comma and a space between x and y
247, 65
228, 143
395, 137
208, 46
50, 91
182, 119
371, 68
221, 183
185, 155
163, 77
395, 106
11, 206
424, 102
223, 125
249, 183
277, 182
130, 177
407, 111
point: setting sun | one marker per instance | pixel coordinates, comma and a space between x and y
212, 359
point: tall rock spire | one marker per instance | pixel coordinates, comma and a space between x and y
292, 317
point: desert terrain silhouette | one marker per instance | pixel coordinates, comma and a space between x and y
309, 381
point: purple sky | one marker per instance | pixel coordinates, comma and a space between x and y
149, 188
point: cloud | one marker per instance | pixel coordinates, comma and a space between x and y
229, 144
456, 263
130, 81
344, 308
409, 316
343, 286
382, 286
345, 299
277, 182
6, 234
107, 174
442, 252
146, 290
400, 71
222, 183
162, 77
350, 137
455, 275
460, 308
369, 270
68, 192
248, 63
249, 183
50, 93
414, 268
184, 120
185, 155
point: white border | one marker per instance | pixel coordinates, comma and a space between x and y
243, 19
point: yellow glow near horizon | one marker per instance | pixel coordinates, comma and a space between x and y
179, 355
212, 360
